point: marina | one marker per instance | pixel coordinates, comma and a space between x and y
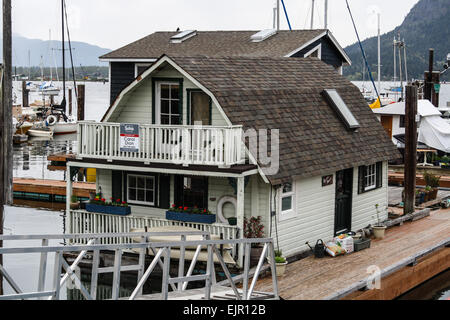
228, 165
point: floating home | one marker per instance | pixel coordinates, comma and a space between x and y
327, 169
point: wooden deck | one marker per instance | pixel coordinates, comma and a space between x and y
52, 187
316, 279
397, 179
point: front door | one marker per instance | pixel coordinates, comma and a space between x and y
343, 214
386, 122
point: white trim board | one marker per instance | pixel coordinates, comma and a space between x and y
316, 48
161, 170
135, 60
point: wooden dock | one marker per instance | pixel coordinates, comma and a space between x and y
409, 255
52, 187
397, 179
59, 161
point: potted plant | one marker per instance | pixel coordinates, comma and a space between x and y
379, 229
115, 206
432, 182
253, 228
186, 214
232, 221
280, 262
445, 162
74, 203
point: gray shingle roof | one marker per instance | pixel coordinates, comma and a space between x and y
286, 94
215, 43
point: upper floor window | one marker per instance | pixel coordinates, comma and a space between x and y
168, 104
139, 68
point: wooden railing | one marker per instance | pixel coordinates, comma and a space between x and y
187, 145
83, 222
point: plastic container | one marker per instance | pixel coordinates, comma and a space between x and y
361, 244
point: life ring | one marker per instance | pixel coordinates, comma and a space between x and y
221, 203
51, 120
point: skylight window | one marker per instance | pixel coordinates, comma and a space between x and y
183, 36
263, 35
335, 100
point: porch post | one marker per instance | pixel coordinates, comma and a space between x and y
68, 198
240, 216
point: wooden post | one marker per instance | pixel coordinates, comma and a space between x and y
70, 102
25, 97
410, 148
428, 76
435, 79
240, 216
80, 102
6, 121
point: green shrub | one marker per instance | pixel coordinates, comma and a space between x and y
280, 259
431, 179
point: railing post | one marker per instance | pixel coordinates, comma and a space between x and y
57, 275
94, 274
273, 270
166, 275
68, 196
181, 262
42, 267
247, 247
116, 279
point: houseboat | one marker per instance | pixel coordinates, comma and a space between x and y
289, 140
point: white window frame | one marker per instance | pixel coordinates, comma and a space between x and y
158, 85
317, 48
370, 178
291, 213
137, 65
141, 202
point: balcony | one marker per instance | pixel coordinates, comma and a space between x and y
182, 145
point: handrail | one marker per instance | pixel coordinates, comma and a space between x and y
143, 275
116, 124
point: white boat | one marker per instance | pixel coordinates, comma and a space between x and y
40, 132
61, 127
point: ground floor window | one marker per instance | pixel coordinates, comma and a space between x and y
141, 189
287, 200
370, 177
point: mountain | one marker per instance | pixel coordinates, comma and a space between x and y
83, 53
426, 26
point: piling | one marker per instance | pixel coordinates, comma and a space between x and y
81, 101
428, 75
410, 148
70, 102
25, 97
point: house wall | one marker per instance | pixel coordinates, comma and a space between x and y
137, 105
121, 75
315, 212
330, 55
256, 196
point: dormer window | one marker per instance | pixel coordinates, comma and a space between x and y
344, 113
183, 36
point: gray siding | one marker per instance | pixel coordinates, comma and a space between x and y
122, 74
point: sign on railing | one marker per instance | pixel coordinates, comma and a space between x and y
129, 137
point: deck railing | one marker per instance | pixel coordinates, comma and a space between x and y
187, 145
162, 258
84, 222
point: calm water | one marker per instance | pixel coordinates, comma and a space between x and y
30, 161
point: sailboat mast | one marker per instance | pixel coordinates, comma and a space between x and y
50, 46
379, 54
63, 52
312, 14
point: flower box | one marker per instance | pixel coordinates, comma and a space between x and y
191, 217
121, 211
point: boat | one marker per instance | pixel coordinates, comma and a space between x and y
59, 126
40, 132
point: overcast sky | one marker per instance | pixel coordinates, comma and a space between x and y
114, 23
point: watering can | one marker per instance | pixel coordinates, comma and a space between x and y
319, 249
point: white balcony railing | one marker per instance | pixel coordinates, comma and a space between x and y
187, 145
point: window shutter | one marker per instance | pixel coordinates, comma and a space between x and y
361, 179
178, 190
164, 191
379, 174
153, 101
117, 184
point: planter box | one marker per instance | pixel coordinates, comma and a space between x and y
121, 211
191, 217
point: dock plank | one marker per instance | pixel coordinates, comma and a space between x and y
315, 279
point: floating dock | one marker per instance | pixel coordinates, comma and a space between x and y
409, 255
50, 190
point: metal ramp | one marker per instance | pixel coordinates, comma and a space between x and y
173, 288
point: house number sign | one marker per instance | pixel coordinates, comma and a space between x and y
327, 180
129, 138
